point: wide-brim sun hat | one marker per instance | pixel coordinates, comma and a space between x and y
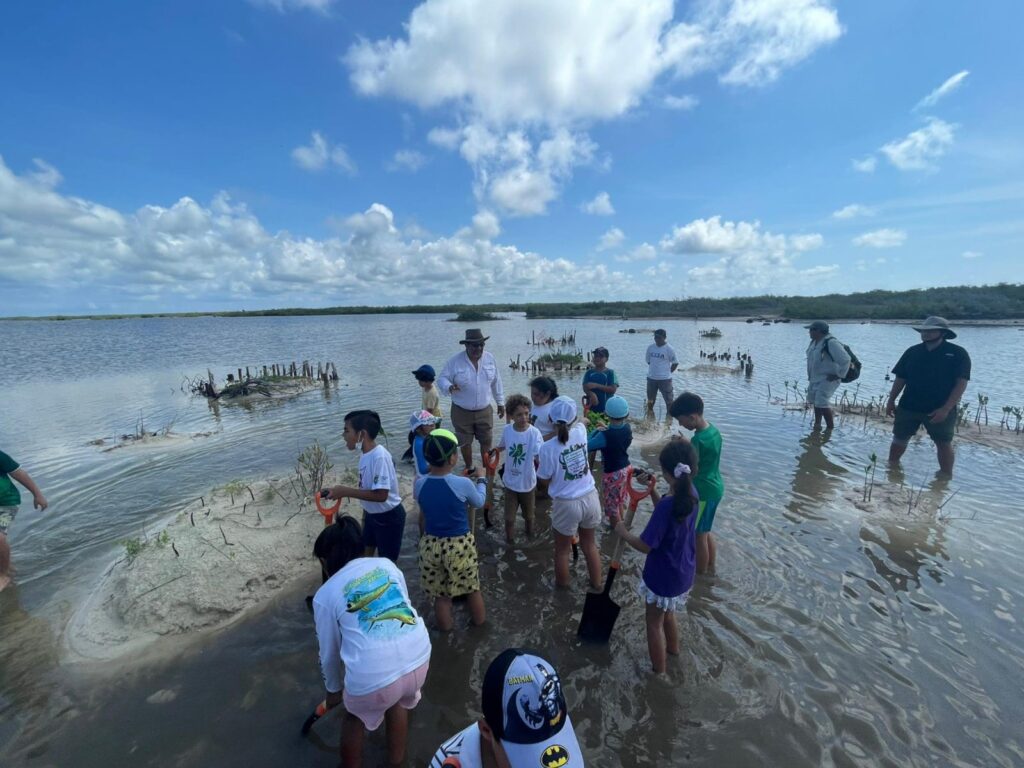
474, 336
617, 407
935, 323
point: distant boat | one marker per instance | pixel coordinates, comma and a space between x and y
766, 322
711, 333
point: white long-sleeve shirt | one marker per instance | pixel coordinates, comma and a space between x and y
820, 365
477, 384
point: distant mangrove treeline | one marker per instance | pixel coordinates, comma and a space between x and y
987, 302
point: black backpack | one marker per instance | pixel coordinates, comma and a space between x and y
854, 372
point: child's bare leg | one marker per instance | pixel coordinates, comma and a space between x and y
511, 505
5, 561
712, 552
528, 505
563, 546
671, 634
443, 613
656, 637
353, 732
477, 613
588, 543
396, 726
703, 556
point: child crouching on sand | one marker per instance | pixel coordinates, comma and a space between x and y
669, 541
448, 559
575, 505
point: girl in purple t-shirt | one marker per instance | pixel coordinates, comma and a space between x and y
669, 541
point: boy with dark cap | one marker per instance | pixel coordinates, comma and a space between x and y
525, 724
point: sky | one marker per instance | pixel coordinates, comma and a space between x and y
249, 154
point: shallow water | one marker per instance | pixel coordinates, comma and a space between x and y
830, 636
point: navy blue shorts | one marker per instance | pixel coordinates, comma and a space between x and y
383, 531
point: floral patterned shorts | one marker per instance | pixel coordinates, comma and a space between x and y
7, 515
613, 485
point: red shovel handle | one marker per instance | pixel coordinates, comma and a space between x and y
327, 512
490, 460
637, 494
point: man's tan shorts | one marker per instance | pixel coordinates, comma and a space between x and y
470, 424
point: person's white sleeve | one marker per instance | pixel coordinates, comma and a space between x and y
497, 388
446, 379
475, 492
329, 639
501, 440
647, 356
674, 359
546, 470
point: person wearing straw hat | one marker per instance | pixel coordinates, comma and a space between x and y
931, 376
472, 381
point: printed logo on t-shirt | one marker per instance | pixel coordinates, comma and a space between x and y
573, 461
518, 454
378, 603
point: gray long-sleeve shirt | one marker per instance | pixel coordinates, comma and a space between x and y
820, 365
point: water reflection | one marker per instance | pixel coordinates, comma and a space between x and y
815, 477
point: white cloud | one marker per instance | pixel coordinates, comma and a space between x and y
611, 239
599, 206
189, 255
586, 62
643, 252
715, 236
803, 243
971, 254
852, 211
919, 148
881, 238
682, 103
867, 165
283, 6
320, 154
943, 90
407, 160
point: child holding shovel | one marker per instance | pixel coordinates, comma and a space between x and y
669, 541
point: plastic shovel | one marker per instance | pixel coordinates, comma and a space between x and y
320, 711
599, 610
327, 512
490, 460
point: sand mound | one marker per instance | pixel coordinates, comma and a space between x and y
222, 556
163, 439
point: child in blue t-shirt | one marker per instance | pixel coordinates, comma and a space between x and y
421, 424
669, 541
447, 549
613, 441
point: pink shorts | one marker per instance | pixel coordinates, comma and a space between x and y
405, 691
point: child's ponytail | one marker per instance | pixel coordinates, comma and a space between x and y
562, 430
679, 460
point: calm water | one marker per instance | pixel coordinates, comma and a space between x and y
829, 637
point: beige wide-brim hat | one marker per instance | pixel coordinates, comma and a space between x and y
473, 336
935, 323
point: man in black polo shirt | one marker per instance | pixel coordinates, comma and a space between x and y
932, 376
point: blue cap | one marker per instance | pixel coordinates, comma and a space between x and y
617, 407
425, 372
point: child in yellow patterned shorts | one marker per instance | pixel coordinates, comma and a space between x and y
447, 549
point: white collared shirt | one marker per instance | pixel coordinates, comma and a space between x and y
477, 385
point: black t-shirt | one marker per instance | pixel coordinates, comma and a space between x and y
931, 375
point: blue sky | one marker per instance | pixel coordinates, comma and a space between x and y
267, 153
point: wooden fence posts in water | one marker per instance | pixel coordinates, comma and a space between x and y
239, 384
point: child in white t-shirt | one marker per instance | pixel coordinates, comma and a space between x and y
384, 515
521, 441
374, 647
575, 504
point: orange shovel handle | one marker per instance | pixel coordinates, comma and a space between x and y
327, 512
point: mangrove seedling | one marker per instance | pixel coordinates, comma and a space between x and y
869, 476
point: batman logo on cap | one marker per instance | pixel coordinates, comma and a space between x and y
554, 756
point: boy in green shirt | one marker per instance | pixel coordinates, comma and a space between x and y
10, 499
688, 410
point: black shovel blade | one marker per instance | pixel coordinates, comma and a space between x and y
306, 726
599, 613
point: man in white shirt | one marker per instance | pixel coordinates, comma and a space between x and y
661, 364
472, 381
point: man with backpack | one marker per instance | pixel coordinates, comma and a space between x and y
828, 362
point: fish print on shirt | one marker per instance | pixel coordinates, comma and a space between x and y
378, 603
